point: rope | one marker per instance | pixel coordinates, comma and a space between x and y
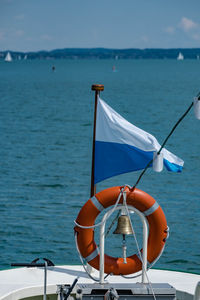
81, 259
128, 214
162, 146
111, 225
117, 216
100, 223
148, 268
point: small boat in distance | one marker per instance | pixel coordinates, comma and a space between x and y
180, 56
8, 57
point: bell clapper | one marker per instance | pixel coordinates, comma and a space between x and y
124, 248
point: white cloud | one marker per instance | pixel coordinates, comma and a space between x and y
30, 39
170, 29
144, 38
2, 35
19, 33
187, 24
20, 17
46, 37
190, 28
196, 36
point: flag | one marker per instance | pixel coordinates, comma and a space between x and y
121, 147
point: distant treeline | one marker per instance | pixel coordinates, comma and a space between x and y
103, 53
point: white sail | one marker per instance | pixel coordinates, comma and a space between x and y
25, 57
180, 56
8, 57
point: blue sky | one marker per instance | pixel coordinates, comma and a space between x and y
30, 25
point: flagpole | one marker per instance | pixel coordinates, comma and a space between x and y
97, 88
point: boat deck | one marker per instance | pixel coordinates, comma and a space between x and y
25, 282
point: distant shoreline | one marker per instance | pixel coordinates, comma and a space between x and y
104, 53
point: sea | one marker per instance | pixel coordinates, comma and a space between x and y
46, 128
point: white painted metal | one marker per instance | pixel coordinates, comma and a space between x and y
145, 239
101, 245
45, 281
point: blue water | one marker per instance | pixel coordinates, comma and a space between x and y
46, 121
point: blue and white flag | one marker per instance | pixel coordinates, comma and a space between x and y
121, 147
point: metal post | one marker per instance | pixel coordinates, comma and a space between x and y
97, 88
45, 281
144, 256
44, 265
101, 247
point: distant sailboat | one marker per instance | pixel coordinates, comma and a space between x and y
8, 57
180, 56
25, 57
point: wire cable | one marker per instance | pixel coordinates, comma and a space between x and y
163, 144
100, 223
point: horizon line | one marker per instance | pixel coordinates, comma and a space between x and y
93, 48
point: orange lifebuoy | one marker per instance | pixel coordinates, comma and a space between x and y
140, 200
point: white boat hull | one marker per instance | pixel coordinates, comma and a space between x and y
27, 282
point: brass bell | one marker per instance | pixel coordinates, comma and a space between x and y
123, 225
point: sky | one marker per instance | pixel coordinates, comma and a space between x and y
33, 25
